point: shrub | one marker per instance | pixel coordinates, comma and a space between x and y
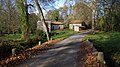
4, 49
41, 36
6, 44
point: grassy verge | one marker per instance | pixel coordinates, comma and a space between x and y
63, 33
16, 36
109, 43
56, 34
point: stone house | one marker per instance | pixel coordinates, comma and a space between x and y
57, 26
50, 25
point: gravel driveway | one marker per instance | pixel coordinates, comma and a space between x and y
64, 54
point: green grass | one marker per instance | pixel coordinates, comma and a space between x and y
57, 34
109, 43
15, 36
63, 33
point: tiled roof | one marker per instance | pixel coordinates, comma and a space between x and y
52, 22
75, 22
57, 23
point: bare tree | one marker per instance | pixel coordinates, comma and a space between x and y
94, 5
42, 18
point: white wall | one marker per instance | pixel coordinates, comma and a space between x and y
70, 26
61, 26
75, 27
39, 25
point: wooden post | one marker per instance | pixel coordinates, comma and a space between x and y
50, 38
100, 57
39, 42
13, 51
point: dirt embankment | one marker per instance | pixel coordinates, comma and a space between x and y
88, 56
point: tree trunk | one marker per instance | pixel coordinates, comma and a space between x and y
42, 18
93, 15
22, 9
93, 19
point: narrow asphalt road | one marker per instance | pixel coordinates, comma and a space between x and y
64, 54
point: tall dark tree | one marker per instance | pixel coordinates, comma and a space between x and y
23, 12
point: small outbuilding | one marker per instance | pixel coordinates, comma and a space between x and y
77, 25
